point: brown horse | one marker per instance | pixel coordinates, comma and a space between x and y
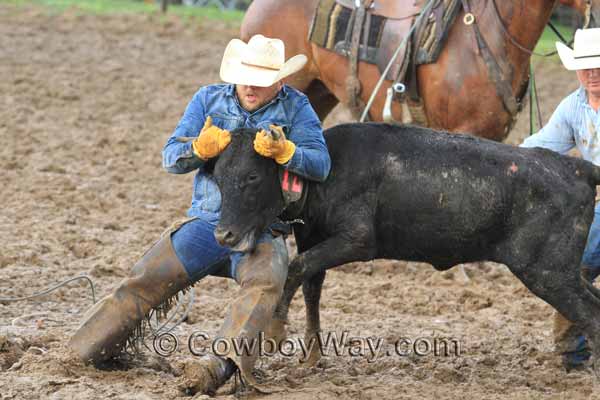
457, 91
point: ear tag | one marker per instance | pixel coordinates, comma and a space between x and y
291, 186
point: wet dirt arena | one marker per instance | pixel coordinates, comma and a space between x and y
86, 104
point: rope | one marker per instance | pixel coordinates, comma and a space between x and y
587, 14
557, 33
51, 289
533, 98
161, 329
15, 321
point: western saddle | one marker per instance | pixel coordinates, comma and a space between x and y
383, 43
400, 15
392, 9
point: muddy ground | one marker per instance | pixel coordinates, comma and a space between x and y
86, 103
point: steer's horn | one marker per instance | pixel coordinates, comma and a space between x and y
275, 134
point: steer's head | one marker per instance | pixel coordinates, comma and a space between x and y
251, 198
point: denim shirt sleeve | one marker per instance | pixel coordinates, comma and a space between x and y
178, 157
558, 134
311, 158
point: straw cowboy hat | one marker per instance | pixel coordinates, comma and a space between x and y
260, 62
585, 53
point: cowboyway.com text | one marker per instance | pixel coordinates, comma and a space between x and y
328, 344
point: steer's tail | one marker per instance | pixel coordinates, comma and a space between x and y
595, 174
594, 291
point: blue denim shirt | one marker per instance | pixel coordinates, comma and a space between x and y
574, 123
289, 109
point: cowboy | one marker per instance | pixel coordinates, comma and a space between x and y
252, 97
576, 123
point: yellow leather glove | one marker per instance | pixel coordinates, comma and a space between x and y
211, 141
281, 150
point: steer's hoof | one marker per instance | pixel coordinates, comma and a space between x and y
577, 361
579, 358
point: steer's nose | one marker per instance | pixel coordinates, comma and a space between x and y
225, 237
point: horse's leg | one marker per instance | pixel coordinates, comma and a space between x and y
311, 288
321, 99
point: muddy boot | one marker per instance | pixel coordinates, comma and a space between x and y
261, 276
111, 322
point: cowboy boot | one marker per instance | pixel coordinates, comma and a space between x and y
208, 375
110, 323
261, 276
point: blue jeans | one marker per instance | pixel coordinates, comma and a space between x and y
197, 249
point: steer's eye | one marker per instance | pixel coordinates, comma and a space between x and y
253, 178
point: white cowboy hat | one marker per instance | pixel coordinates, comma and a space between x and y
261, 62
586, 53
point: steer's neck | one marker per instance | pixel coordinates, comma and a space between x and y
313, 214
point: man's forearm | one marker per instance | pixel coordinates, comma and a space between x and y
179, 158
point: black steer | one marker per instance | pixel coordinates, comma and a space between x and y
411, 193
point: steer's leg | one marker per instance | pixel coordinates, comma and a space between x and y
548, 263
330, 253
355, 243
570, 296
311, 288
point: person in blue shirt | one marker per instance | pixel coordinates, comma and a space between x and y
252, 97
576, 123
